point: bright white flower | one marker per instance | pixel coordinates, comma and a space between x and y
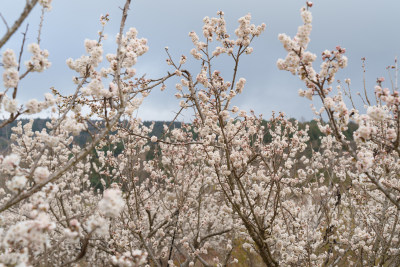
364, 132
183, 104
329, 103
182, 60
365, 160
309, 94
240, 85
178, 86
98, 225
72, 126
11, 161
391, 134
38, 61
306, 16
10, 105
224, 114
249, 50
242, 113
10, 78
9, 60
377, 113
41, 174
195, 54
32, 106
46, 4
112, 203
17, 183
30, 233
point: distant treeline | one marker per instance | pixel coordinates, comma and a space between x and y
39, 124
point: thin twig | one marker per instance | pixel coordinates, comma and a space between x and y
27, 9
5, 22
40, 26
365, 87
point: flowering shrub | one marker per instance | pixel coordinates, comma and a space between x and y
225, 185
361, 199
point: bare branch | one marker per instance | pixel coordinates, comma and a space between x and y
27, 9
5, 22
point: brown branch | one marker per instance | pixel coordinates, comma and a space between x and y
119, 63
41, 26
22, 47
5, 22
83, 251
194, 96
27, 9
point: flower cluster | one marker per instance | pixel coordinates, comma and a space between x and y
38, 61
95, 57
112, 203
227, 184
216, 28
46, 4
10, 74
365, 164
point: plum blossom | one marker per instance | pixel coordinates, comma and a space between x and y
33, 106
41, 174
240, 85
9, 60
46, 4
11, 161
10, 105
377, 113
39, 60
10, 78
112, 203
365, 160
33, 233
17, 183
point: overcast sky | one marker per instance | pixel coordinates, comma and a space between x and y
365, 28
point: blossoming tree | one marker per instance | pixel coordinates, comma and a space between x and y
225, 185
361, 200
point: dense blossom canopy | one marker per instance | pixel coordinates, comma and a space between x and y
226, 189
